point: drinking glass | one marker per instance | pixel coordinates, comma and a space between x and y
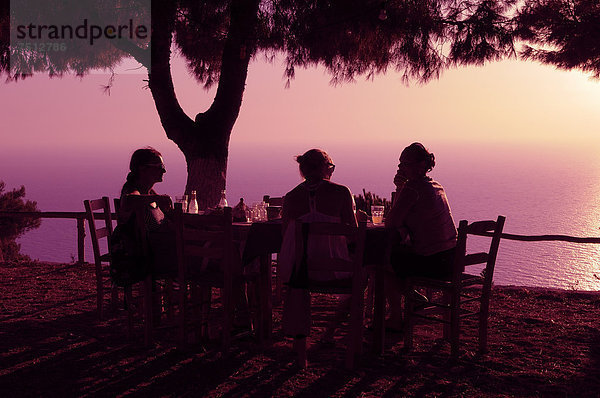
259, 212
377, 214
273, 212
184, 202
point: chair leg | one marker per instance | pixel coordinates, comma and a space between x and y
181, 321
265, 298
130, 308
157, 291
278, 282
379, 310
370, 300
256, 302
196, 299
447, 315
148, 310
99, 291
228, 309
455, 324
300, 348
167, 300
114, 297
355, 335
408, 320
483, 324
206, 295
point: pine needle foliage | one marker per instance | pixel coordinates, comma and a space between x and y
12, 227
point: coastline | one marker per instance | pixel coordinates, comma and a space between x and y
542, 342
552, 290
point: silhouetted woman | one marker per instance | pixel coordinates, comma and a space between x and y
316, 199
147, 168
421, 214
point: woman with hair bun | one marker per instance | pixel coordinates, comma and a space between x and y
421, 214
316, 199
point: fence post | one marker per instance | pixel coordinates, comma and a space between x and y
80, 240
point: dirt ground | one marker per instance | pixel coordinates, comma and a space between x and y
542, 343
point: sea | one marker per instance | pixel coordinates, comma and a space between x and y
540, 188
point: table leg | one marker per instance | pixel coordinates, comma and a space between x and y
379, 311
265, 298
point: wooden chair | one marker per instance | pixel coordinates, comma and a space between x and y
355, 285
206, 259
456, 302
101, 251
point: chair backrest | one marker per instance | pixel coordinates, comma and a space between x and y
488, 228
117, 202
208, 237
97, 232
326, 230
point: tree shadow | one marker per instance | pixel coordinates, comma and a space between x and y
55, 346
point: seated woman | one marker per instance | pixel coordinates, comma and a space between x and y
421, 214
146, 169
316, 199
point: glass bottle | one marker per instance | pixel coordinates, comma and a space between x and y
263, 211
193, 205
240, 211
223, 201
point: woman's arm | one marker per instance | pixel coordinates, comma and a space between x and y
134, 200
403, 202
285, 213
347, 215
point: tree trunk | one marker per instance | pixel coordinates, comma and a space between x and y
205, 140
206, 176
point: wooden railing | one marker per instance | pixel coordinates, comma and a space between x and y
548, 238
79, 216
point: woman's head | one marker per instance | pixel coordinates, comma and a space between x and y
315, 164
416, 160
146, 164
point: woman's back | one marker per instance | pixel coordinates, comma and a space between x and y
315, 200
320, 201
429, 222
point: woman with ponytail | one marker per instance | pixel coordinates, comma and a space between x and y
146, 168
